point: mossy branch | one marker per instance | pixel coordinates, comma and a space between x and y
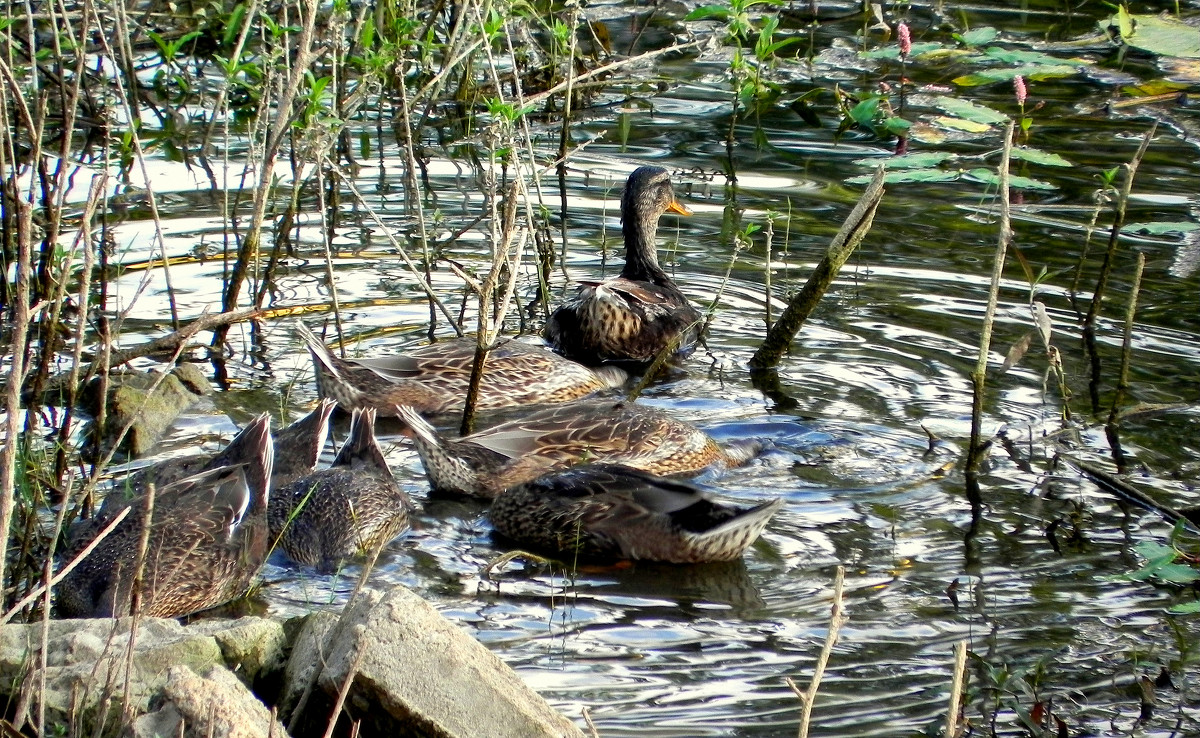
854, 229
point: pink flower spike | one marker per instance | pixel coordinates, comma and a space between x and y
1019, 86
905, 39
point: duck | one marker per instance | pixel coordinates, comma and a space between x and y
485, 463
349, 509
434, 378
207, 540
297, 451
632, 318
611, 512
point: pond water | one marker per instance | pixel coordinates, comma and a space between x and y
1032, 584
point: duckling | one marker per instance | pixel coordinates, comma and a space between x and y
591, 431
603, 511
207, 540
345, 510
635, 316
434, 378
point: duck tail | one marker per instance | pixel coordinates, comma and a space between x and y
611, 376
253, 448
731, 538
742, 450
447, 471
361, 448
305, 438
320, 352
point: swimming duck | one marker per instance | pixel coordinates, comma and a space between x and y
345, 510
297, 450
601, 511
590, 431
633, 317
208, 539
434, 378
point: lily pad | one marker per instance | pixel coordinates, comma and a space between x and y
959, 124
909, 175
971, 111
1037, 156
1162, 227
922, 160
1158, 34
987, 176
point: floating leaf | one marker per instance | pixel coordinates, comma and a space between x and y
909, 175
893, 52
1186, 608
922, 160
1037, 156
977, 37
987, 176
1158, 228
959, 124
1009, 56
969, 110
1029, 71
1159, 34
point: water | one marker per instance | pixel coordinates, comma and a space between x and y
866, 441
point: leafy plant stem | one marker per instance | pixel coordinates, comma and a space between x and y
979, 375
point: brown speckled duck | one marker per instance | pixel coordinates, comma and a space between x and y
434, 378
632, 317
613, 512
297, 450
590, 431
208, 539
346, 510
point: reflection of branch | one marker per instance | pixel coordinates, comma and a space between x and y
837, 619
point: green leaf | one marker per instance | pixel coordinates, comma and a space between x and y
973, 112
1158, 34
909, 175
896, 125
1177, 573
1029, 71
1010, 56
978, 37
922, 160
1158, 228
987, 176
1187, 608
1037, 156
893, 52
706, 12
865, 112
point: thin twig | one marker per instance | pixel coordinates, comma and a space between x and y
837, 619
956, 689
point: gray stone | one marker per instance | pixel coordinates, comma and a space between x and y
307, 658
86, 661
252, 647
416, 673
130, 399
215, 705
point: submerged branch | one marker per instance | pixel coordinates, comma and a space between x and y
854, 229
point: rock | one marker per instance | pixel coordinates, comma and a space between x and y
129, 398
86, 661
416, 673
215, 705
252, 648
308, 657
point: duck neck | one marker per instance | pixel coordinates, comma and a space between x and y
641, 252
